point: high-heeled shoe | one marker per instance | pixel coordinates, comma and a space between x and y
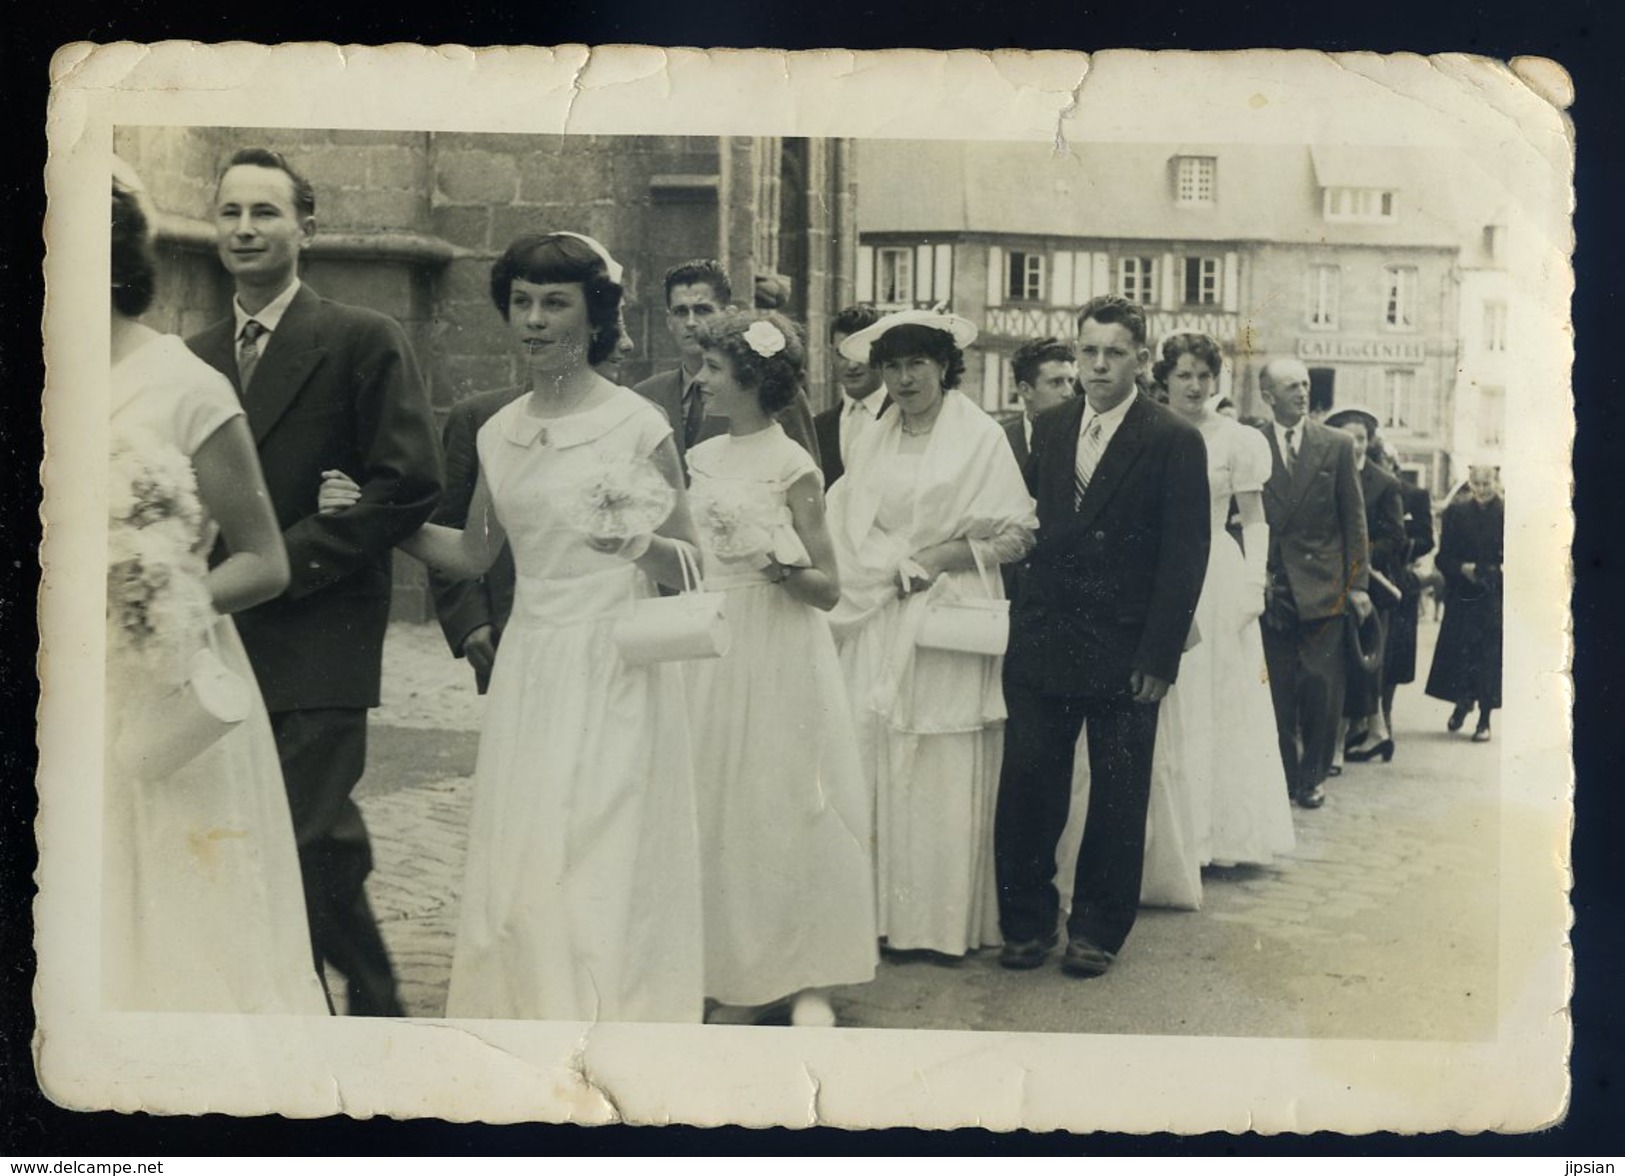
1360, 755
1458, 717
1482, 735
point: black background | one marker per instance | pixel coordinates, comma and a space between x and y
1583, 35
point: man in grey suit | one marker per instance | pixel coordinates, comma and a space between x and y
1318, 573
695, 292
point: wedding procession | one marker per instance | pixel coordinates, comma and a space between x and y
839, 642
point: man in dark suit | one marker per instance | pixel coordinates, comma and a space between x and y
863, 400
1046, 372
1096, 633
1318, 572
474, 612
324, 386
696, 291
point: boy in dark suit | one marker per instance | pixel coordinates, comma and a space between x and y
1105, 606
325, 386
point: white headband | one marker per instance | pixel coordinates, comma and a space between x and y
611, 266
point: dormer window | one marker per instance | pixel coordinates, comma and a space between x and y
1195, 179
1359, 204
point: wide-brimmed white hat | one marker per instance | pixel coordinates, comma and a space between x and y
856, 345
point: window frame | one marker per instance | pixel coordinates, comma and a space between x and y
1353, 205
1146, 279
1402, 286
1322, 312
1031, 278
1210, 279
1200, 188
906, 253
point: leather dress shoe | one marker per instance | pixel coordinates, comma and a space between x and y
1482, 735
1025, 954
1361, 755
1310, 798
1458, 717
1084, 958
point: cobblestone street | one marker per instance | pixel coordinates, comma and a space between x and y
1382, 924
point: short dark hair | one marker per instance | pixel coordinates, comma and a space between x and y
1111, 308
1204, 347
776, 378
907, 340
559, 257
304, 196
701, 270
135, 261
852, 319
1035, 353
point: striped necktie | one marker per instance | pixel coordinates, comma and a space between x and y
1090, 447
248, 350
1290, 454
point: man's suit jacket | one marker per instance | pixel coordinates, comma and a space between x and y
827, 428
1015, 430
465, 605
1317, 521
1015, 433
1384, 526
336, 388
665, 390
1112, 584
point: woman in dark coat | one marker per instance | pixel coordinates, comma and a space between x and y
1399, 655
1467, 663
1385, 529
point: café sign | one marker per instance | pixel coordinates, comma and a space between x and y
1368, 350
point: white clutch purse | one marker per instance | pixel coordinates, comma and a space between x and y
979, 625
685, 627
167, 732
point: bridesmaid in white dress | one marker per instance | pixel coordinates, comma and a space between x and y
1244, 814
787, 850
582, 894
203, 909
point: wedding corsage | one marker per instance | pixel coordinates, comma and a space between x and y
736, 522
618, 500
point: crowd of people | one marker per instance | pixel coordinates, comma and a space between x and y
767, 693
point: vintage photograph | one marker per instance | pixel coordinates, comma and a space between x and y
795, 595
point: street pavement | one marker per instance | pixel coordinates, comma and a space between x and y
1382, 923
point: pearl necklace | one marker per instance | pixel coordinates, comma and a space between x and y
908, 432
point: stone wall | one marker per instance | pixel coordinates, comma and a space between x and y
653, 200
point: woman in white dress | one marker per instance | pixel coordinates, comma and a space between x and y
785, 819
1242, 809
202, 905
582, 894
929, 507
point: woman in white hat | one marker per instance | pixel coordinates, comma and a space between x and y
931, 504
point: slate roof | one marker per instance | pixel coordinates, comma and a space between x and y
1265, 192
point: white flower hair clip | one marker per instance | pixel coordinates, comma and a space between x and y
765, 339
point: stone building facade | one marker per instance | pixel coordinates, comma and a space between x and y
1348, 258
408, 223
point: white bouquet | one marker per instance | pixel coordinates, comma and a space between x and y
618, 500
158, 606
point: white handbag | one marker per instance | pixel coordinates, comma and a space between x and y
685, 627
165, 733
978, 625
